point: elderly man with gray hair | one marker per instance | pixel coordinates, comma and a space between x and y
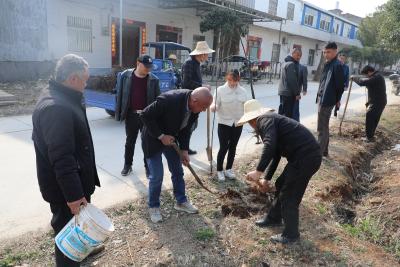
66, 168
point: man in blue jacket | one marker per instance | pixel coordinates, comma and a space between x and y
331, 88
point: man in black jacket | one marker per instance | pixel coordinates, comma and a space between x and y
191, 72
65, 160
331, 88
289, 85
377, 99
283, 137
167, 120
136, 89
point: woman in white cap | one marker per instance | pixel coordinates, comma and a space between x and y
191, 71
283, 137
228, 103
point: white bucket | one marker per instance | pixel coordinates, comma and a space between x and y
83, 233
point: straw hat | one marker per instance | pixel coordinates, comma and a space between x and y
172, 57
202, 48
252, 109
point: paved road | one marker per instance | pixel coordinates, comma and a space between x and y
22, 208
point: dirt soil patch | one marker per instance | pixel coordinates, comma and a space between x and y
349, 217
26, 94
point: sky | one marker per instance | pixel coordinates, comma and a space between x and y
360, 8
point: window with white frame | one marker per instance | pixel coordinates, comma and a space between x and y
336, 26
290, 11
311, 56
310, 17
79, 32
325, 23
273, 7
347, 30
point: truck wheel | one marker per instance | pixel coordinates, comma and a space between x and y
110, 112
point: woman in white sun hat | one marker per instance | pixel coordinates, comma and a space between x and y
191, 71
283, 137
228, 103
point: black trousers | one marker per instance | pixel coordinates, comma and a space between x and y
133, 125
228, 139
373, 116
286, 106
61, 216
290, 188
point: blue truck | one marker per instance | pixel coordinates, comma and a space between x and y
163, 68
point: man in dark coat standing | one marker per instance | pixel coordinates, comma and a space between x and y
167, 120
331, 88
283, 137
377, 99
136, 89
191, 72
65, 160
289, 85
303, 80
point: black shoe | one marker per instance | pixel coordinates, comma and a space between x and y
267, 222
126, 170
192, 152
283, 239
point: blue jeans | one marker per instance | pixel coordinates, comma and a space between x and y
296, 110
156, 175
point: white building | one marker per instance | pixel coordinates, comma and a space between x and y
306, 26
35, 33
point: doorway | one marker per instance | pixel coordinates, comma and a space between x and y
131, 38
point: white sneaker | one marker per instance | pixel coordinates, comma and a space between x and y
155, 215
186, 207
230, 174
221, 176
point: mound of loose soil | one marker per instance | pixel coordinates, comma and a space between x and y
244, 203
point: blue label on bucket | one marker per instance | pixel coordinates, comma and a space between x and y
71, 239
59, 240
82, 234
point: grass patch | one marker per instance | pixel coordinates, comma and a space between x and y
368, 229
263, 242
205, 234
11, 259
321, 209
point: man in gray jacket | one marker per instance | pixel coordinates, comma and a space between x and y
289, 86
303, 80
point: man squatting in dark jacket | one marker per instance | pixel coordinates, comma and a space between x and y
377, 99
65, 162
331, 88
136, 89
283, 137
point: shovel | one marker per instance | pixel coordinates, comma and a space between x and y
196, 177
209, 148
